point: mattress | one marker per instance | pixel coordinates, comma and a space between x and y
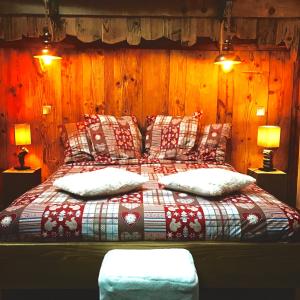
46, 214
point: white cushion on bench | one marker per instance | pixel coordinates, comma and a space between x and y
148, 274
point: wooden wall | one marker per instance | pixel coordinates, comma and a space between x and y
143, 82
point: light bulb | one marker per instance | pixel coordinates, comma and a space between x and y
47, 59
227, 66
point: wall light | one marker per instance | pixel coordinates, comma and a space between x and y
226, 59
46, 54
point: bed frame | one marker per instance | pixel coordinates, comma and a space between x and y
219, 264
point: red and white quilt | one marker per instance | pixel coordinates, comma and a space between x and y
151, 213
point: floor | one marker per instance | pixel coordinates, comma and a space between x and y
205, 294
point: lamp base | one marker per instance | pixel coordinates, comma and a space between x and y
22, 168
267, 161
267, 169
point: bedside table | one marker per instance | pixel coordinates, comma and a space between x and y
16, 183
274, 182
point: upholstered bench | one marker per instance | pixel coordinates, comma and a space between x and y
160, 274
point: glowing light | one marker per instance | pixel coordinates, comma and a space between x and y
268, 136
227, 62
227, 66
22, 134
46, 57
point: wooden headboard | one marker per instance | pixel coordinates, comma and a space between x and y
144, 82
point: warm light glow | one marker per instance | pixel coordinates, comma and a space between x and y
268, 136
227, 66
227, 62
22, 134
46, 58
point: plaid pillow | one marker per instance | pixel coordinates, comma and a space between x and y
169, 137
114, 137
213, 141
77, 146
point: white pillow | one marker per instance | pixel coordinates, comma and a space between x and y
207, 182
108, 181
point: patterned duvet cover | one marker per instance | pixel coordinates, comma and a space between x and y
151, 213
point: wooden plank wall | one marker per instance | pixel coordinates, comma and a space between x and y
143, 82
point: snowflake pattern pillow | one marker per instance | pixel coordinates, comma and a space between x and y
114, 138
169, 137
207, 182
213, 142
108, 181
77, 146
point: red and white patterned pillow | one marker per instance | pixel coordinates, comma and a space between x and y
114, 137
77, 146
170, 137
213, 142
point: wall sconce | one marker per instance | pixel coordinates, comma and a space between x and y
226, 59
22, 138
47, 53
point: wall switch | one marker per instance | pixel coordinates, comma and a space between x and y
47, 109
260, 111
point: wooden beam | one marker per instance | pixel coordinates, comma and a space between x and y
169, 8
218, 264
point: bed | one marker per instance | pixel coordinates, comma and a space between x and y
52, 239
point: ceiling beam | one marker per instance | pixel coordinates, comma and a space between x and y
156, 8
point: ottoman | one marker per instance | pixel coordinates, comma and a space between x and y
148, 274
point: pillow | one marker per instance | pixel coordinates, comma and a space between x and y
108, 181
207, 182
77, 146
170, 137
114, 137
213, 142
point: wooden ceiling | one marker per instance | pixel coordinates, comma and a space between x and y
171, 8
268, 23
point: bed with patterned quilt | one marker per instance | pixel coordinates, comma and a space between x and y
231, 235
152, 213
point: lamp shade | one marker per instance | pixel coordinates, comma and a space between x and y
22, 134
268, 136
227, 61
46, 56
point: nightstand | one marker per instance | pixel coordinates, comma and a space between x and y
16, 183
274, 182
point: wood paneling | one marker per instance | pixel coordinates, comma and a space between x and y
251, 91
144, 82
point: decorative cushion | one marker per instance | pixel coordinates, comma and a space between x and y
170, 137
213, 141
114, 137
77, 146
162, 274
207, 182
108, 181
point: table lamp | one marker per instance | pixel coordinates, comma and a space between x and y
22, 138
269, 138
